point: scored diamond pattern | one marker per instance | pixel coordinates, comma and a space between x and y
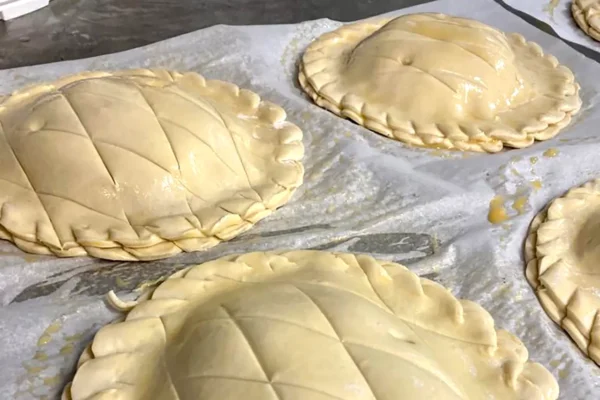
127, 166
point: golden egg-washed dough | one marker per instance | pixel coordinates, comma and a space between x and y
306, 325
439, 81
587, 15
562, 252
140, 164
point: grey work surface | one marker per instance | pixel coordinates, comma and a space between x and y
73, 29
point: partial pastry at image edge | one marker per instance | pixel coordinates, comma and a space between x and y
567, 296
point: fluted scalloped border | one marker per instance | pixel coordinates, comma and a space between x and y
395, 289
575, 309
152, 244
583, 18
451, 135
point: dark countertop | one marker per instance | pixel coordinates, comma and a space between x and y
71, 29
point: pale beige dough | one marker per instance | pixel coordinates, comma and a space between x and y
562, 252
587, 15
140, 164
306, 325
439, 81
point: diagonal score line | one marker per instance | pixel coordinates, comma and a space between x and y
197, 138
224, 377
309, 389
416, 69
248, 380
270, 319
44, 129
29, 181
439, 376
82, 205
124, 100
64, 95
172, 150
339, 289
311, 300
87, 132
237, 150
474, 54
17, 184
251, 348
420, 37
215, 113
141, 92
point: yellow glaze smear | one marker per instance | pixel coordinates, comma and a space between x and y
551, 153
67, 349
533, 160
40, 356
563, 373
52, 381
515, 172
44, 340
497, 213
120, 282
53, 328
47, 335
536, 184
34, 369
550, 7
74, 338
519, 204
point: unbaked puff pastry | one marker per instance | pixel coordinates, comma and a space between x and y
140, 164
587, 15
305, 325
563, 264
440, 81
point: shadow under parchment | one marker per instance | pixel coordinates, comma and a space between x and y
99, 279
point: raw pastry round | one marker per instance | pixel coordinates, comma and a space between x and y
306, 325
439, 81
587, 15
562, 252
140, 164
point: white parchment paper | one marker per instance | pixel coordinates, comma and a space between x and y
557, 14
362, 193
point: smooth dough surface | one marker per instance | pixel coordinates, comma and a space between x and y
306, 325
140, 164
587, 15
440, 81
562, 252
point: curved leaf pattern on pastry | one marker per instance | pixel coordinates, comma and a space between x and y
561, 255
436, 80
587, 15
140, 164
358, 314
